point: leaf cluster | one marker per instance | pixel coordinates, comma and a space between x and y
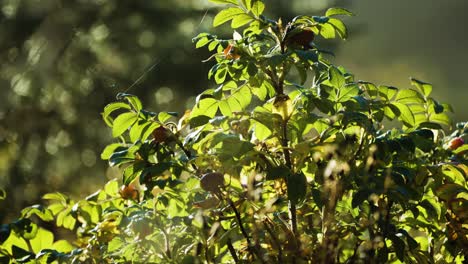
288, 160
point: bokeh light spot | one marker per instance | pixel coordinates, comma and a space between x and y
146, 39
88, 157
164, 95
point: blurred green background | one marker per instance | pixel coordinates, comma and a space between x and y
62, 61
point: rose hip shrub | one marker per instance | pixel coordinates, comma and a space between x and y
288, 159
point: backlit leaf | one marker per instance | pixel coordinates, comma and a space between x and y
337, 11
226, 14
122, 123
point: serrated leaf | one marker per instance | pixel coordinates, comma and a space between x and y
334, 11
226, 14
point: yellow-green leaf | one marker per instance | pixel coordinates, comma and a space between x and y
226, 14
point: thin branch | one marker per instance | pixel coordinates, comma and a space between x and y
275, 241
232, 251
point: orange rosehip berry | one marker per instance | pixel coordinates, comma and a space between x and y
128, 192
456, 143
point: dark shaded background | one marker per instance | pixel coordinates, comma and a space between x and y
62, 61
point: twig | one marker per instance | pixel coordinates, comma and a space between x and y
275, 241
232, 251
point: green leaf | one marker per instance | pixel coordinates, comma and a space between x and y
430, 209
62, 246
388, 92
43, 239
241, 20
225, 108
220, 74
408, 96
461, 149
337, 11
108, 109
122, 123
327, 31
340, 27
226, 14
336, 78
56, 196
442, 119
243, 96
257, 8
111, 187
224, 1
38, 210
424, 88
121, 157
109, 150
297, 187
137, 130
202, 39
25, 228
205, 107
247, 4
405, 115
347, 92
261, 131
